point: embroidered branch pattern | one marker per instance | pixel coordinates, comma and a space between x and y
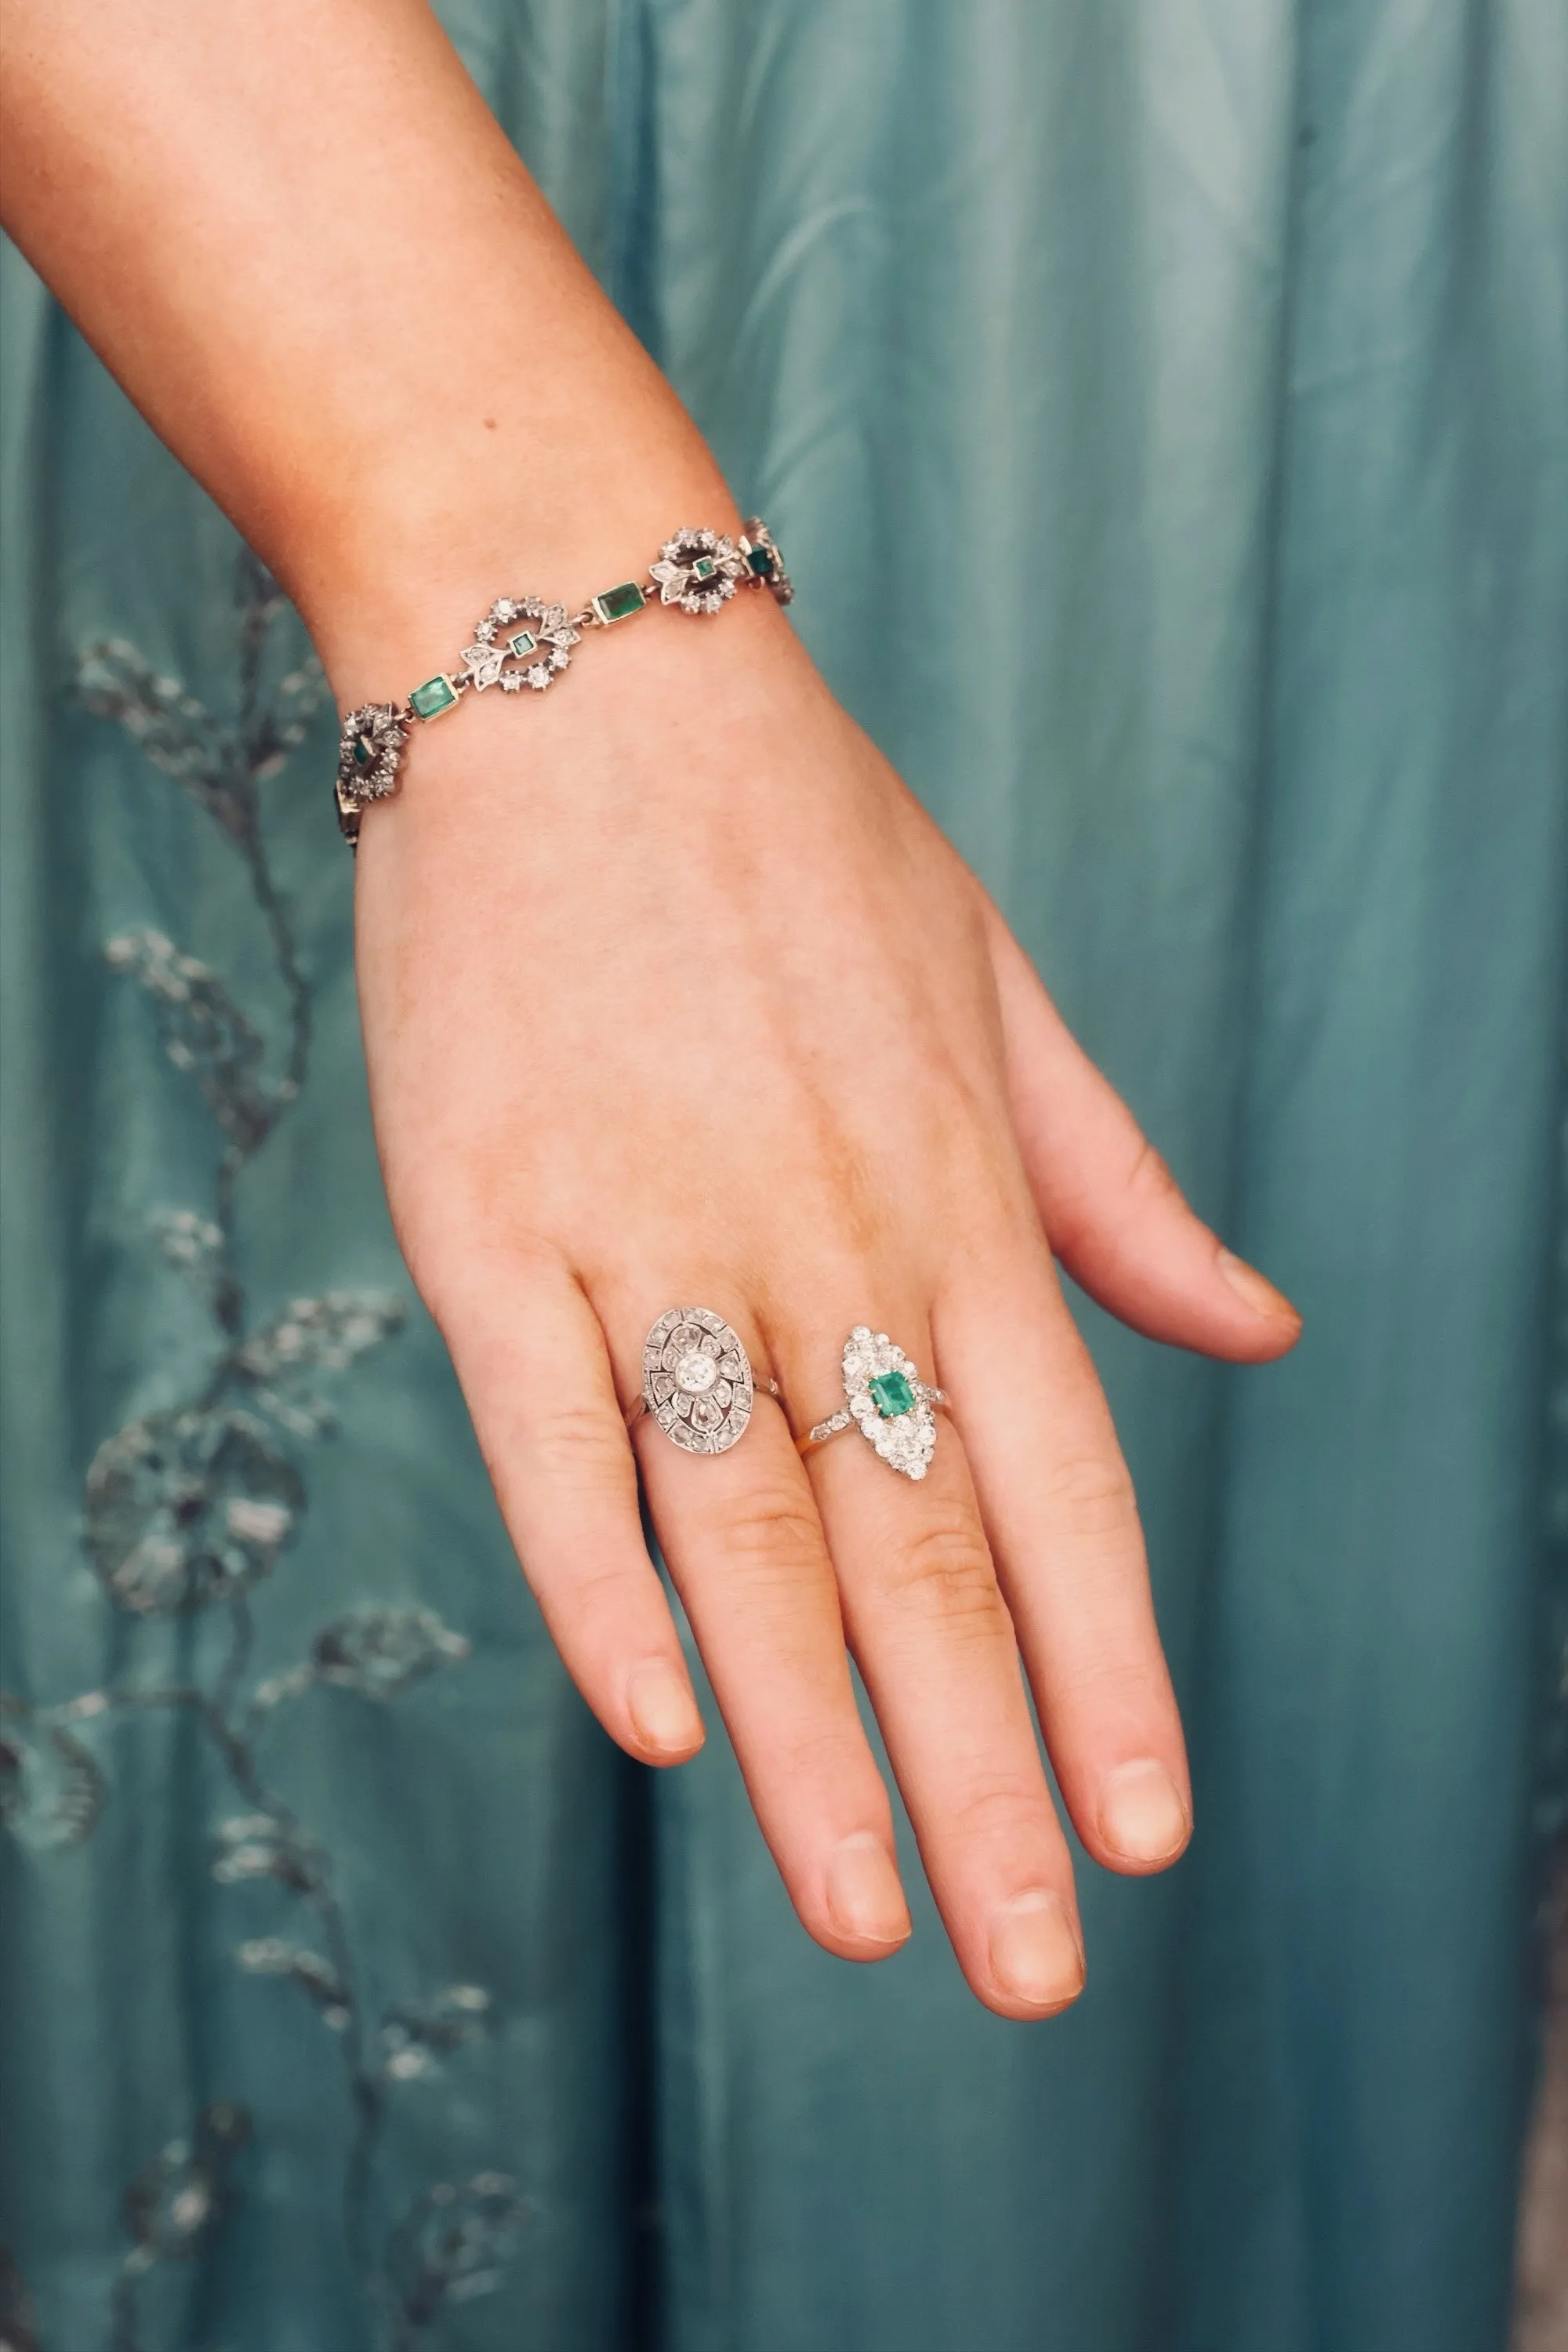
189, 1509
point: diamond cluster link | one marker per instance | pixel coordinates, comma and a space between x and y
370, 752
487, 664
696, 1379
698, 570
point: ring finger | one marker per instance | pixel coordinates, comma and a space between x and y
928, 1626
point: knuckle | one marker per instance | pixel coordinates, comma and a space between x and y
828, 1757
1000, 1809
1091, 1496
433, 1268
604, 1594
1150, 1182
1113, 1683
768, 1533
579, 1446
464, 1266
945, 1567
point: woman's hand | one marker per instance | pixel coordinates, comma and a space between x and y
673, 996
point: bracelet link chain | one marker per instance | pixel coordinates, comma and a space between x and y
523, 641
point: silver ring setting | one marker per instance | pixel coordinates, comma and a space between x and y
887, 1401
697, 1381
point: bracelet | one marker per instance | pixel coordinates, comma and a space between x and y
699, 571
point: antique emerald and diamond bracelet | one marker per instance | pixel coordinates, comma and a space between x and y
524, 641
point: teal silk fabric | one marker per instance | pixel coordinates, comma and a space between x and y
1164, 409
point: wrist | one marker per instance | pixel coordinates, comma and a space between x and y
559, 499
657, 722
524, 643
385, 617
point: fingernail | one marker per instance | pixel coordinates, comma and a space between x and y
662, 1710
864, 1897
1256, 1288
1142, 1812
1034, 1953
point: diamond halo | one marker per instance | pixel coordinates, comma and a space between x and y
887, 1401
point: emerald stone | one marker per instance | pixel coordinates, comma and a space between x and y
437, 694
620, 604
760, 560
704, 568
523, 644
892, 1394
365, 751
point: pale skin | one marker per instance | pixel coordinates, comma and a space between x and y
671, 993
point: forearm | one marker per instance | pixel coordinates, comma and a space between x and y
300, 240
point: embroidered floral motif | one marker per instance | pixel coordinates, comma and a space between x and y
412, 2041
453, 2246
382, 1651
51, 1791
206, 1034
177, 2197
190, 1509
176, 2201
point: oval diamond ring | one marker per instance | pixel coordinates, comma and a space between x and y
697, 1381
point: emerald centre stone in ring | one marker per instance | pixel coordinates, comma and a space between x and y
892, 1394
887, 1402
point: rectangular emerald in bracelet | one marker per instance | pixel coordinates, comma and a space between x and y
523, 644
619, 603
437, 694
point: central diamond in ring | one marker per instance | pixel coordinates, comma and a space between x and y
892, 1394
695, 1373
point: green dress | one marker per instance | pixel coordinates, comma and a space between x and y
1164, 413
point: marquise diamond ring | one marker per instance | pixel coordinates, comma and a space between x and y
887, 1401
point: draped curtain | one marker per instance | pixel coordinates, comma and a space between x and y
1163, 407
